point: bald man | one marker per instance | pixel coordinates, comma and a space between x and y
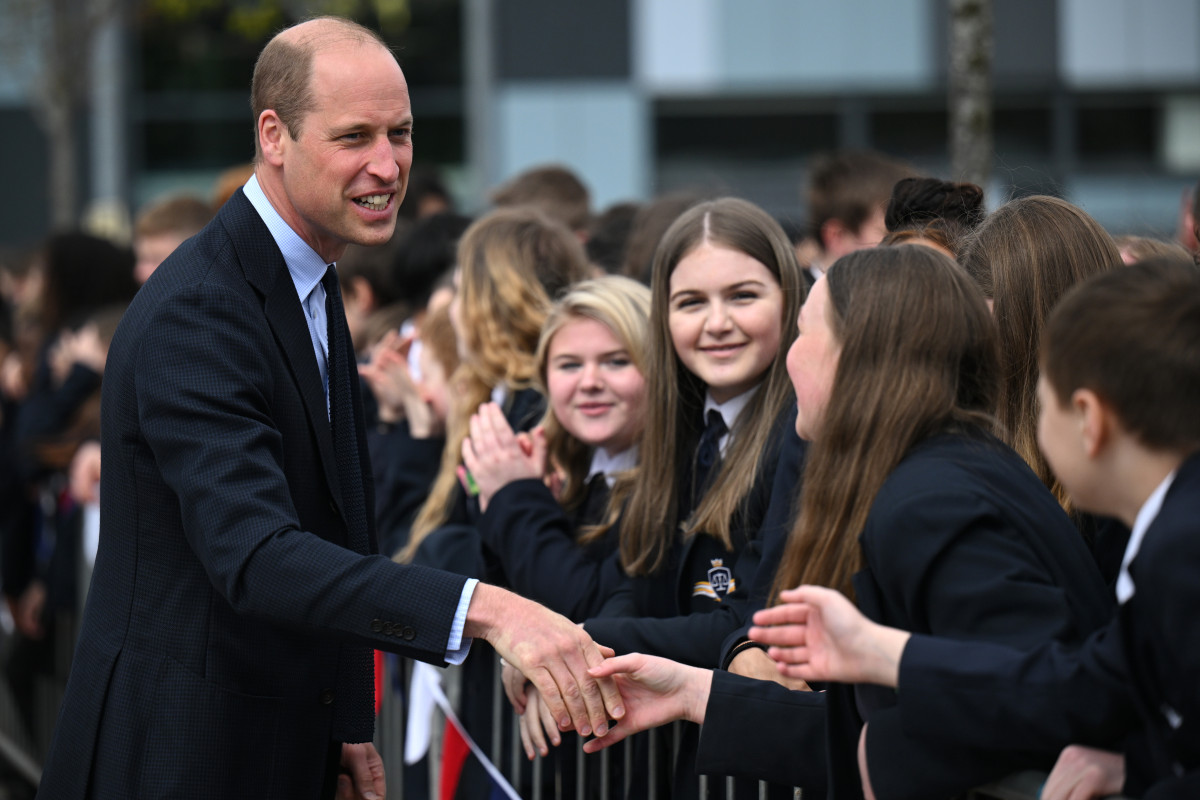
237, 595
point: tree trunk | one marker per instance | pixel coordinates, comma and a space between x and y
970, 96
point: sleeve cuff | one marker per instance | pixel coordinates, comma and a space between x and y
458, 647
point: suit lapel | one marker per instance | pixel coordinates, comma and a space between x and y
266, 271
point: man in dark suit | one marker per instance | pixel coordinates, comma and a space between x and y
226, 645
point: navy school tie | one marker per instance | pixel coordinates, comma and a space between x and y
708, 453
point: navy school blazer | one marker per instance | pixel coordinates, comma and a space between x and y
1138, 676
964, 540
534, 540
648, 614
227, 614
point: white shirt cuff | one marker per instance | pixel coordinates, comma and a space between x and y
458, 647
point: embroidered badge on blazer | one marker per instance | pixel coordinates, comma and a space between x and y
720, 582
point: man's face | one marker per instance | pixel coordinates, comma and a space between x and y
345, 174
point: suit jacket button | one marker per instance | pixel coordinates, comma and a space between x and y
388, 629
376, 625
409, 634
327, 697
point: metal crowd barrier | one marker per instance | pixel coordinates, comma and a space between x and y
390, 732
589, 768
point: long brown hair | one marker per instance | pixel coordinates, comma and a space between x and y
512, 264
918, 356
676, 396
1025, 257
623, 306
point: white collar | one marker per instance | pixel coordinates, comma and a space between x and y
609, 466
1145, 518
500, 394
730, 410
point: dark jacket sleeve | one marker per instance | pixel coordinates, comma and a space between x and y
764, 731
203, 408
987, 694
534, 539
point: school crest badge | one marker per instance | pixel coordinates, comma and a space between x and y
720, 582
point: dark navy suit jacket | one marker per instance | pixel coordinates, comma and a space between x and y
223, 640
1147, 659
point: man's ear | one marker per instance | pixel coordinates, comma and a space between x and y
1095, 420
832, 232
271, 135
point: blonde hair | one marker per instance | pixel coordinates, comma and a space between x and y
512, 263
623, 306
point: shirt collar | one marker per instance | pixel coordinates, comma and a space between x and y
1145, 518
731, 409
609, 466
304, 264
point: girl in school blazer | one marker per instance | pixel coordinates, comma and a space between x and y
724, 289
1024, 257
725, 281
547, 496
911, 506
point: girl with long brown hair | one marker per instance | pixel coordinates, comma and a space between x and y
725, 282
1025, 257
724, 290
913, 507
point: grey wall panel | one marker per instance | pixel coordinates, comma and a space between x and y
551, 39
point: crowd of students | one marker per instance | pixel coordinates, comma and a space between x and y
661, 420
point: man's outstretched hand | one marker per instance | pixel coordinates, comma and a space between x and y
552, 652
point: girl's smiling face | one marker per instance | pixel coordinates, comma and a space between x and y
724, 314
596, 391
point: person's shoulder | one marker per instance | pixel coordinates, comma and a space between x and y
1175, 531
935, 464
951, 475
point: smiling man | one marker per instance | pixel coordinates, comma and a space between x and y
226, 646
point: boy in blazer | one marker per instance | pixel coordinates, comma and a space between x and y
237, 592
1120, 378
